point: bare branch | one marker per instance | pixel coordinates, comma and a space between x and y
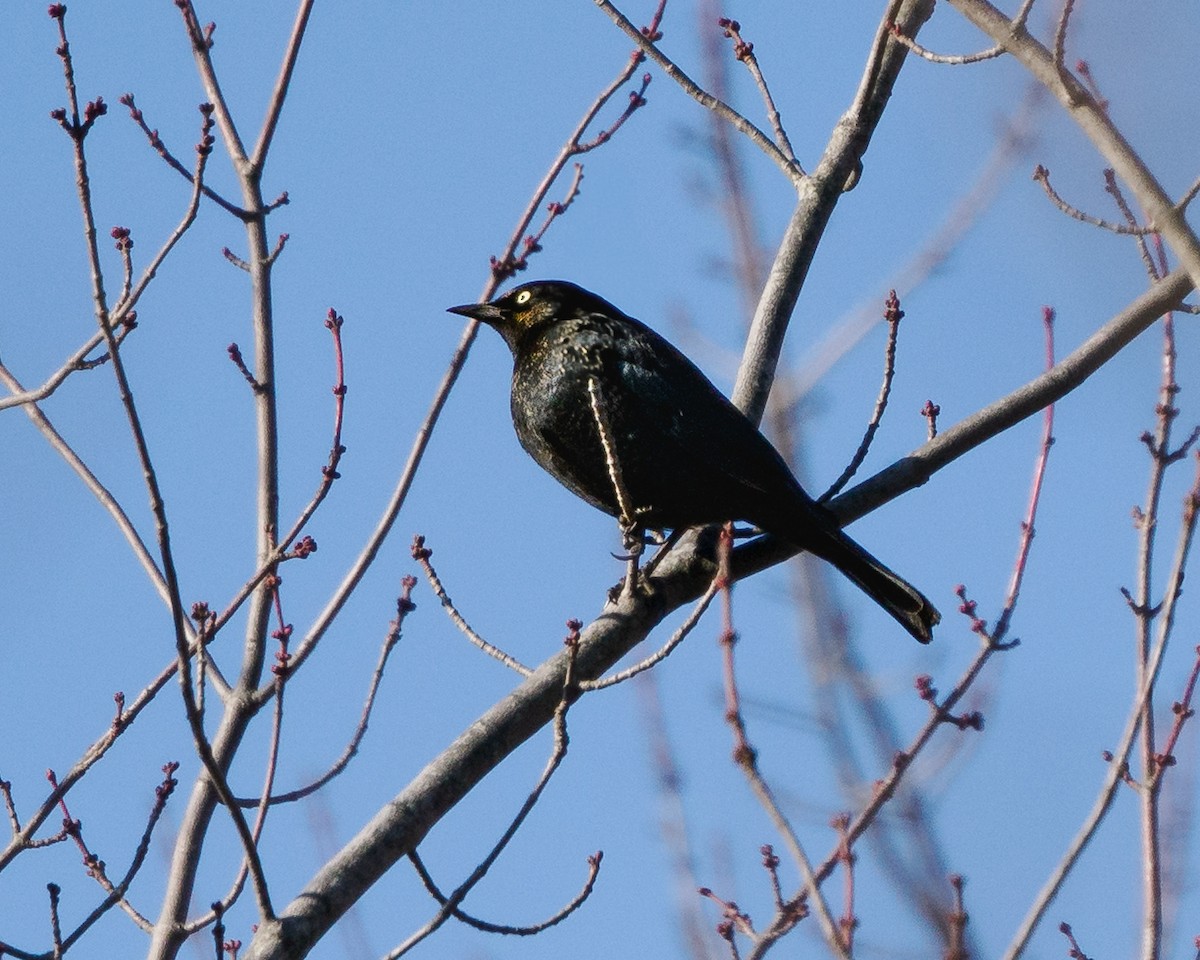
275, 107
1093, 120
421, 554
818, 196
701, 96
664, 651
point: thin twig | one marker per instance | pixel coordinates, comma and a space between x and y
664, 651
1182, 709
508, 265
1159, 449
282, 84
161, 149
847, 922
116, 894
744, 51
421, 554
1189, 195
572, 147
930, 411
1018, 23
1113, 189
1000, 630
956, 948
893, 315
77, 361
952, 59
93, 483
404, 606
628, 510
632, 533
56, 940
1060, 41
1074, 951
280, 672
201, 40
1042, 176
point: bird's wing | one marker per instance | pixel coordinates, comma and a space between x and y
695, 422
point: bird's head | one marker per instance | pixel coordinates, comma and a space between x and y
528, 307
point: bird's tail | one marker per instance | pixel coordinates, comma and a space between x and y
911, 608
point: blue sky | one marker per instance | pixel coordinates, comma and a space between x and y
409, 146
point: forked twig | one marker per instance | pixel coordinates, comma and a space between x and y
1042, 176
172, 161
697, 93
558, 753
744, 51
527, 930
116, 892
1018, 23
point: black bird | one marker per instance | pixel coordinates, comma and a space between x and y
685, 455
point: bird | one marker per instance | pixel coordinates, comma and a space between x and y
623, 419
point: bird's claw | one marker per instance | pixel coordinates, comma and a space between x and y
620, 590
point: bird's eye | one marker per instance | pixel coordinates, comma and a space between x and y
523, 297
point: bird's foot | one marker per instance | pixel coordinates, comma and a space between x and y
642, 587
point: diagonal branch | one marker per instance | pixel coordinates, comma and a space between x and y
1092, 118
699, 94
279, 94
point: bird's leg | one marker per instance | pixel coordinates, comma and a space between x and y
633, 539
625, 509
633, 533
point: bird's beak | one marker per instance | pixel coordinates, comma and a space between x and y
486, 312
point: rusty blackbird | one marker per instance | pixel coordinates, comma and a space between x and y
623, 419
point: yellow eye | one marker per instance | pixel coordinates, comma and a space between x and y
523, 297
